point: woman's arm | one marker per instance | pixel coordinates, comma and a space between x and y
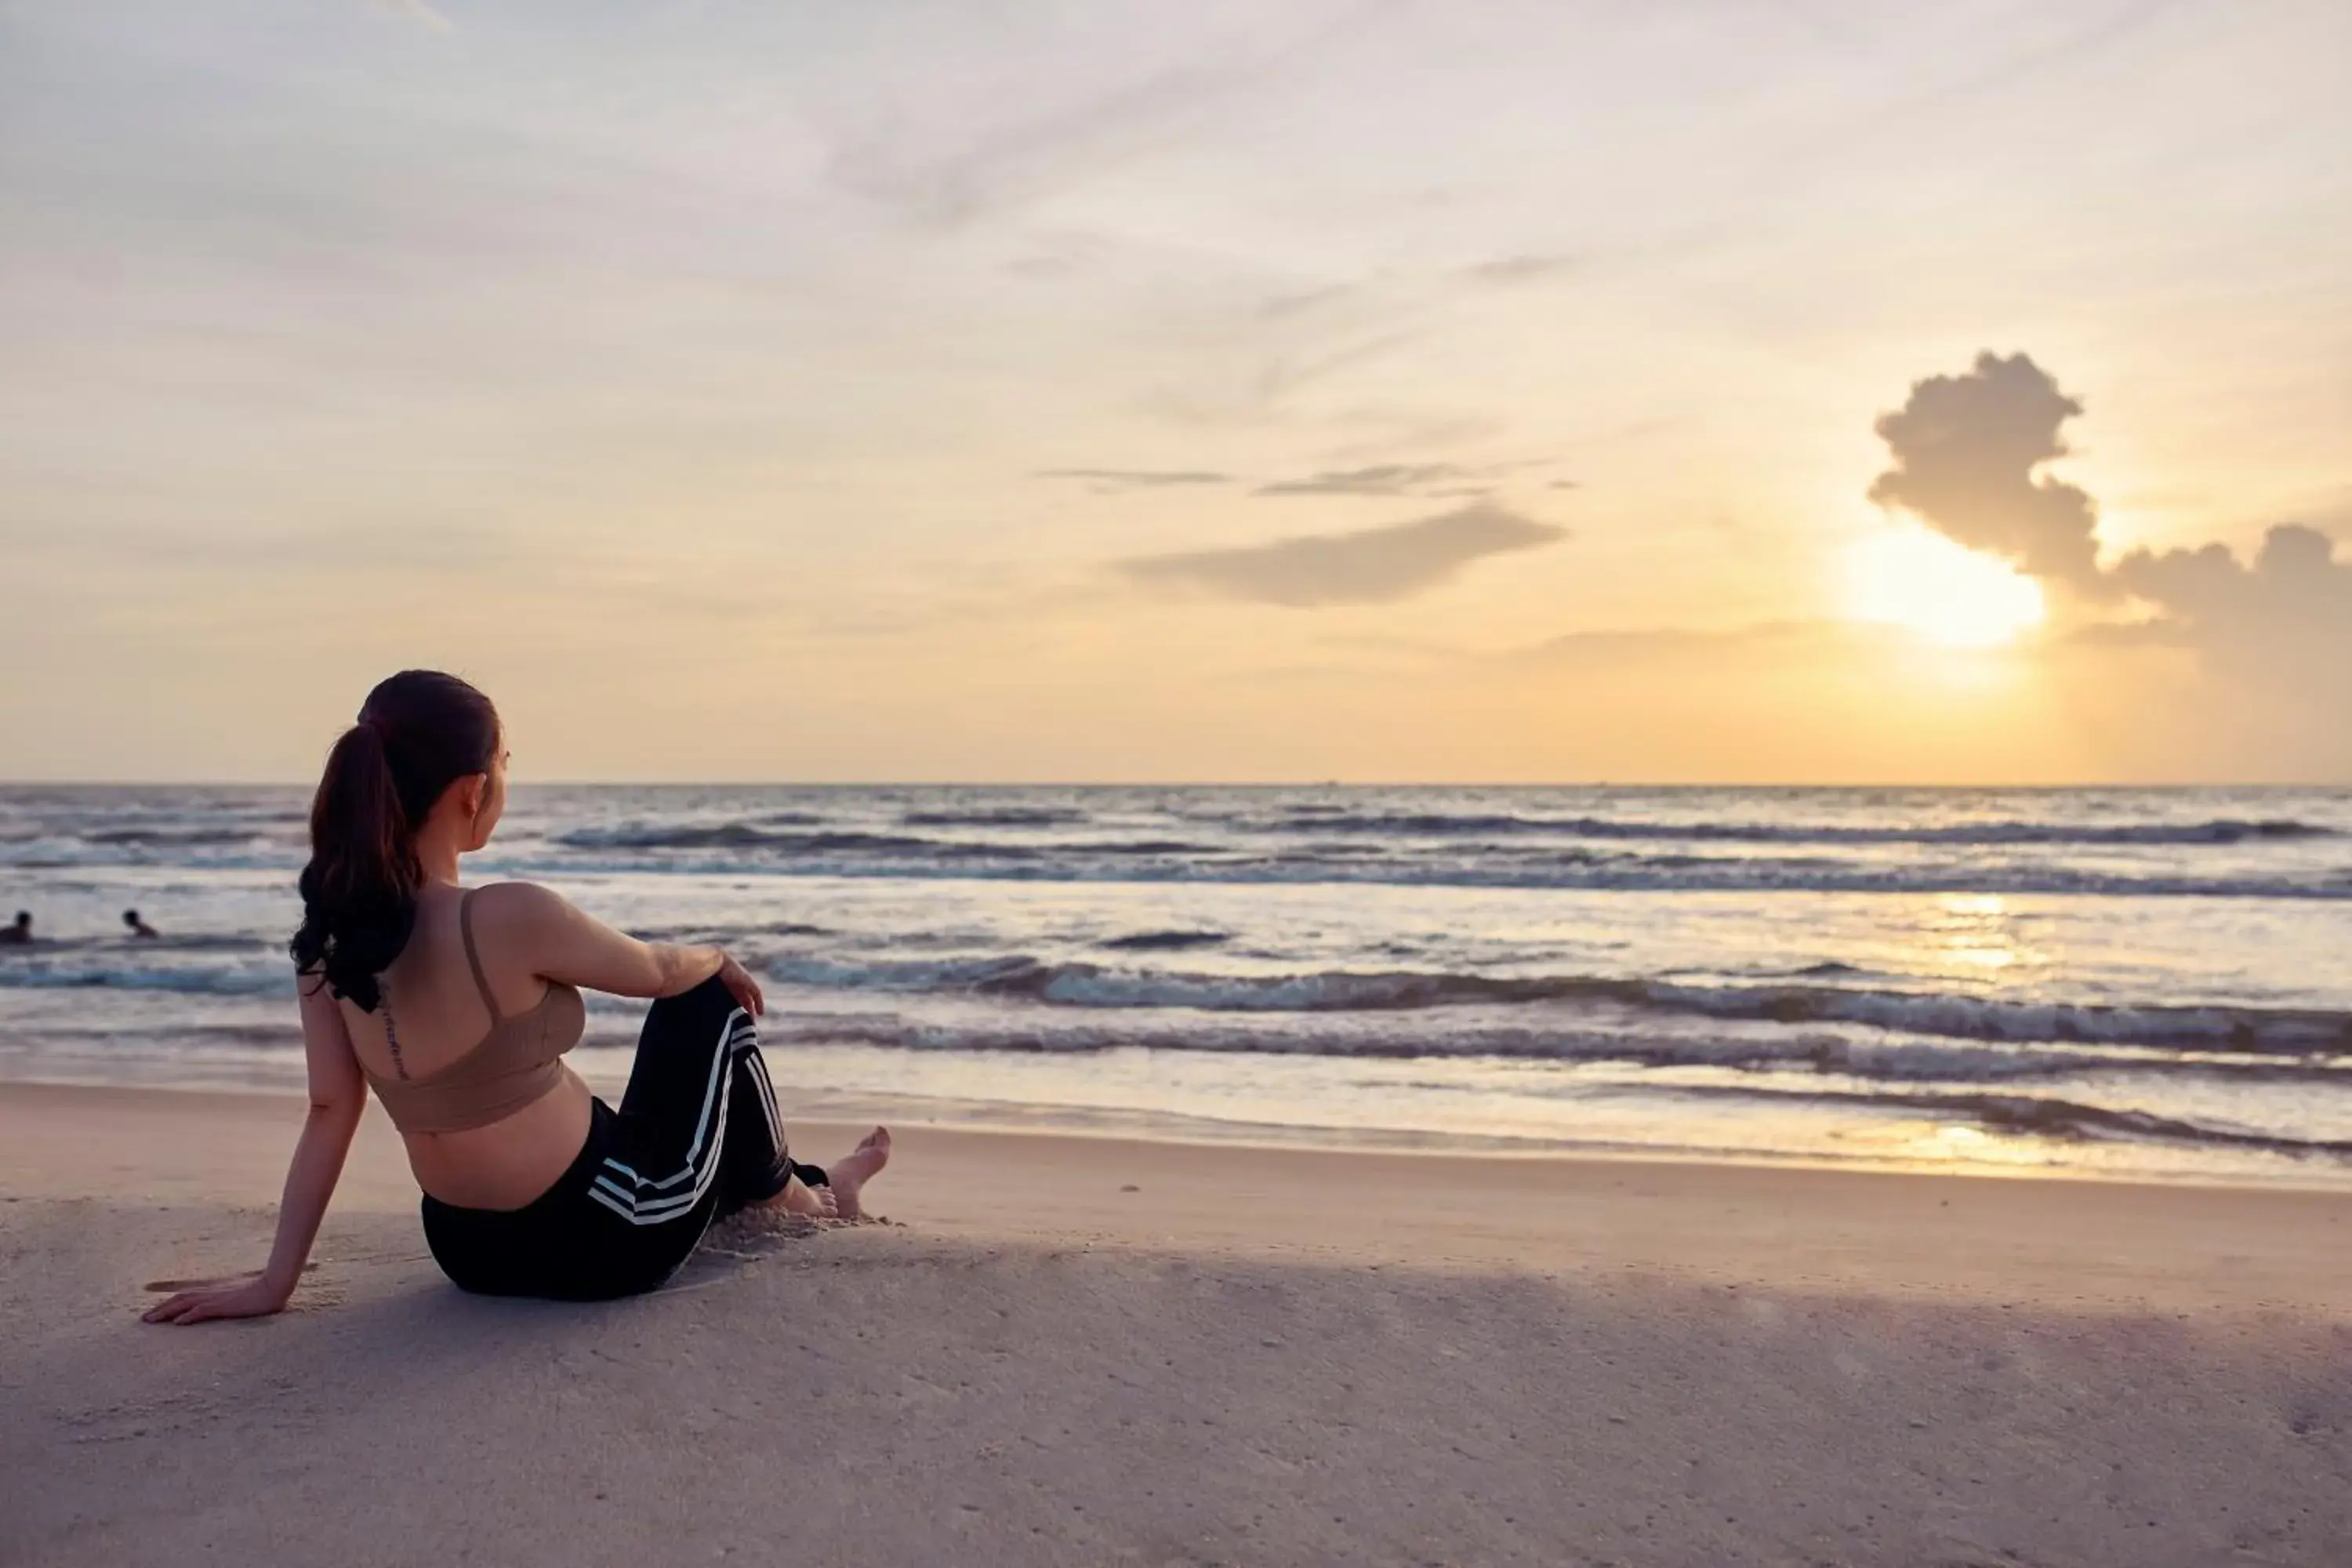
338, 1096
542, 929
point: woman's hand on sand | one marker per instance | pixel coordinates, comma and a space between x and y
252, 1297
742, 986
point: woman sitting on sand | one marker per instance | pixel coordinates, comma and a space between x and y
457, 1004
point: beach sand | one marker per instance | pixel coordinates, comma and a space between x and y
1095, 1350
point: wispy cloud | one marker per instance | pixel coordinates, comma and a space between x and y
1680, 642
1304, 301
1368, 566
1520, 268
1138, 479
416, 11
1436, 482
966, 173
992, 168
2006, 72
1378, 479
1435, 479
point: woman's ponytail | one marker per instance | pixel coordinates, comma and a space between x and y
420, 731
359, 891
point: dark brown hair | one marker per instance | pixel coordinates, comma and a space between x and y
418, 733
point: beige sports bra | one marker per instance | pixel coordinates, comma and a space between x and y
513, 1065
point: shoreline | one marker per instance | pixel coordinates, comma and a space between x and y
2097, 1243
1012, 1118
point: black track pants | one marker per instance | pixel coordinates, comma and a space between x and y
697, 1135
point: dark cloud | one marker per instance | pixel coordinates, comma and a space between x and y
1380, 480
1368, 566
1968, 450
2291, 608
1138, 479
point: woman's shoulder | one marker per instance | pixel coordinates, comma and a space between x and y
519, 926
515, 906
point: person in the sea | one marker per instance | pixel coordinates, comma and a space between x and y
139, 928
456, 1005
19, 934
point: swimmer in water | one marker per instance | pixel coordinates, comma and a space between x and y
138, 927
20, 934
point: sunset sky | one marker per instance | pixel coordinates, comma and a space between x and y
1779, 390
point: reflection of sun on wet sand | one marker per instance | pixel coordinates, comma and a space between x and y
1080, 1350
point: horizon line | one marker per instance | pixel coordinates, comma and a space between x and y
2009, 786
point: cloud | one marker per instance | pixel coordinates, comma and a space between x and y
1520, 268
2275, 632
952, 173
2292, 608
1434, 480
1138, 479
978, 171
1967, 451
1301, 302
416, 11
1654, 640
1380, 480
1368, 566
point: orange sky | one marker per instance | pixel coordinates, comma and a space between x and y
1225, 392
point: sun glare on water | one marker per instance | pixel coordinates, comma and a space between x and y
1941, 592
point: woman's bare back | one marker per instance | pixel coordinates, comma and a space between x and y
435, 1013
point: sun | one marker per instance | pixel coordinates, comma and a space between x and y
1943, 592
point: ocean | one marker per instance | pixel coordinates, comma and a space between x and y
2152, 983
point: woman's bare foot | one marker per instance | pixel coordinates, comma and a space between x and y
849, 1174
809, 1203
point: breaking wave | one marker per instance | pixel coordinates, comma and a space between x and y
2051, 1116
998, 816
2220, 830
738, 835
1167, 941
1090, 985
